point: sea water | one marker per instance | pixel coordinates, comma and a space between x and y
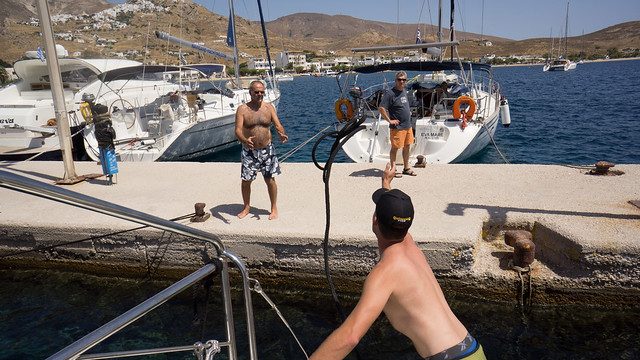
41, 312
577, 117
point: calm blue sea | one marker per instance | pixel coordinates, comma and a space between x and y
577, 117
41, 312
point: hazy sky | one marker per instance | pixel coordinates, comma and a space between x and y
513, 19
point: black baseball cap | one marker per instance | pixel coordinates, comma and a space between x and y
393, 208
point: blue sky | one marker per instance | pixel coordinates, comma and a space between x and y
513, 19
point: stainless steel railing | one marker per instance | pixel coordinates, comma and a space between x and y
77, 349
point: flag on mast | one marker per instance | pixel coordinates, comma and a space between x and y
40, 54
230, 32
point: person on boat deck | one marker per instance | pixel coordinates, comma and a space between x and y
402, 285
253, 130
442, 91
394, 107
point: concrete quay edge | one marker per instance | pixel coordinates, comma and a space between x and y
586, 231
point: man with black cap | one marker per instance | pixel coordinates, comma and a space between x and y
403, 286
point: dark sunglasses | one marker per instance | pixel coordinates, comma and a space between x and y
258, 92
401, 79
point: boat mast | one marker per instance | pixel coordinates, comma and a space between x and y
550, 56
566, 32
62, 119
440, 28
266, 42
451, 29
232, 23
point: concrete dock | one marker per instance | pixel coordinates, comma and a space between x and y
586, 228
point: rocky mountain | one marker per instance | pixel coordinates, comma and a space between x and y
128, 31
23, 9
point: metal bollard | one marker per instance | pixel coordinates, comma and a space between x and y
200, 214
523, 247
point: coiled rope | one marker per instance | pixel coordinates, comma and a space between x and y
341, 137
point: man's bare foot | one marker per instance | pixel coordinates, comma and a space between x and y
274, 214
244, 212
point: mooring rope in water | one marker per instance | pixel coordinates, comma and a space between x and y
521, 271
494, 143
257, 288
297, 148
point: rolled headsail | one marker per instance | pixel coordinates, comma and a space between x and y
173, 39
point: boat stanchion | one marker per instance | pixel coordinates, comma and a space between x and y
200, 215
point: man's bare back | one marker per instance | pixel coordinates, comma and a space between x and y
403, 286
417, 307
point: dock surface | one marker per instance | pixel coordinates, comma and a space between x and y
586, 227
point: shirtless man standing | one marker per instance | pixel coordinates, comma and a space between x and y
253, 130
404, 287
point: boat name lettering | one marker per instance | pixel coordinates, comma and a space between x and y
7, 121
433, 133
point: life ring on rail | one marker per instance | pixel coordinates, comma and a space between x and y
456, 107
340, 114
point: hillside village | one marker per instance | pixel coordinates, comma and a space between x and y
117, 16
101, 28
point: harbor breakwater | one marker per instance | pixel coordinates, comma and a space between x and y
585, 227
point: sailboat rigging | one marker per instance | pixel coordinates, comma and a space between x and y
561, 63
454, 105
157, 113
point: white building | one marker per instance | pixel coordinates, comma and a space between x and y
297, 59
260, 64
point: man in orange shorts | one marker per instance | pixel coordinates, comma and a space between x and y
394, 107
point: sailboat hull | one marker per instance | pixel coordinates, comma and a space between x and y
440, 142
441, 136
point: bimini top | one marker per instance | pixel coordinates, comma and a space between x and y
208, 69
132, 72
422, 66
137, 72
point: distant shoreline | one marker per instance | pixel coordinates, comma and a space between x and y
586, 61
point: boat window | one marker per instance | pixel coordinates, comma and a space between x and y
77, 75
149, 76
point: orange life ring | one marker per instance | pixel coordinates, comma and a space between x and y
339, 113
467, 100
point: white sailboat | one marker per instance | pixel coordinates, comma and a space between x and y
455, 107
158, 113
561, 63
